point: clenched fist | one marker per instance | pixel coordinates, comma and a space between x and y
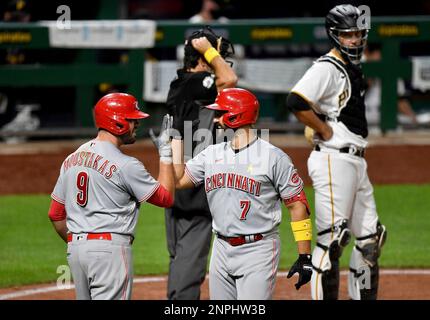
201, 44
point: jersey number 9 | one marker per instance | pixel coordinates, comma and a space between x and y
82, 185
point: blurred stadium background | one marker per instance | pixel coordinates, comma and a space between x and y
50, 79
47, 88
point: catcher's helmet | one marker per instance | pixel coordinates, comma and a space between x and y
222, 45
344, 18
240, 107
112, 111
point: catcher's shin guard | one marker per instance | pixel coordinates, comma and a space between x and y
325, 261
363, 277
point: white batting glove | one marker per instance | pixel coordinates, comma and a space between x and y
162, 142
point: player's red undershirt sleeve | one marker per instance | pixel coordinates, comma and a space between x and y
161, 198
300, 197
57, 211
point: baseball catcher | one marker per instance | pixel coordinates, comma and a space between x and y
330, 100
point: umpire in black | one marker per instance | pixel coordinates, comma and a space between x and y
189, 221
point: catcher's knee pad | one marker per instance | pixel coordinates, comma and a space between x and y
336, 242
325, 261
370, 246
364, 270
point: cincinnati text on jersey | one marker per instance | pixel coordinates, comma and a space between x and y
90, 160
232, 181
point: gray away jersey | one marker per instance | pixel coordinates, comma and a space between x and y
244, 188
102, 189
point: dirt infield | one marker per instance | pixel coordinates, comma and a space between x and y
34, 168
394, 285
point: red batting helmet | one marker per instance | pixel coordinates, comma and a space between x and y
240, 106
113, 110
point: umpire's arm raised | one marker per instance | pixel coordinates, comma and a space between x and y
225, 76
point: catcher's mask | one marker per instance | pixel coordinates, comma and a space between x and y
222, 45
239, 107
113, 110
344, 18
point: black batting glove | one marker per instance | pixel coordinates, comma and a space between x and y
303, 266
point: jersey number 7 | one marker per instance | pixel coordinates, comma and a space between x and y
82, 185
245, 205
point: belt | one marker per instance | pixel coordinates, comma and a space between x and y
96, 236
238, 241
353, 150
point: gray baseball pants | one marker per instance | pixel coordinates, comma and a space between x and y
101, 269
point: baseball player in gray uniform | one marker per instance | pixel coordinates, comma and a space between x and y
96, 200
245, 180
330, 99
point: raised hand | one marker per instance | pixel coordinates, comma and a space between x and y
162, 142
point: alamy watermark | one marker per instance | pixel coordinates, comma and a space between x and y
65, 278
195, 141
364, 277
363, 21
65, 18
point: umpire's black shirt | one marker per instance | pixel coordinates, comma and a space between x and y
189, 93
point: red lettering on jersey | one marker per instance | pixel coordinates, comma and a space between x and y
207, 185
75, 157
245, 184
89, 161
251, 185
102, 168
257, 188
87, 156
219, 180
230, 180
112, 169
244, 205
238, 182
213, 181
82, 155
96, 162
82, 185
223, 180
